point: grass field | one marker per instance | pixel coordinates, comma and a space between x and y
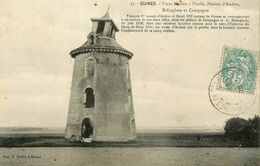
149, 149
142, 140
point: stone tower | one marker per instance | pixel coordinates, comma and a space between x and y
101, 103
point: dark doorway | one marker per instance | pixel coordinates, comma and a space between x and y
87, 128
90, 98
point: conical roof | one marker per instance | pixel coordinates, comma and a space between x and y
106, 16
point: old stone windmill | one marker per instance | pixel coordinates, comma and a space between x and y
101, 104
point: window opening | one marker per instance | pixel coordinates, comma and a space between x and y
90, 98
101, 26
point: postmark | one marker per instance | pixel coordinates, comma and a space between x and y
227, 102
241, 75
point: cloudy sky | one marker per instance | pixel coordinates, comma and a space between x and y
170, 72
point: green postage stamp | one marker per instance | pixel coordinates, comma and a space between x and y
239, 70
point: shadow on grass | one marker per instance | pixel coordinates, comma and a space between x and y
142, 140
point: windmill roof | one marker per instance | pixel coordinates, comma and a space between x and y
103, 44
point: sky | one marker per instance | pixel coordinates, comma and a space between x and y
170, 72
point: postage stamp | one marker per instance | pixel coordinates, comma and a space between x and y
239, 70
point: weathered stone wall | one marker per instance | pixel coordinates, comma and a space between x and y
113, 114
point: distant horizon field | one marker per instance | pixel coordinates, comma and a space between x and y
31, 130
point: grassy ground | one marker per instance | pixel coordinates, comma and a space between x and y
142, 140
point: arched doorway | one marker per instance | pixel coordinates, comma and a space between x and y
87, 128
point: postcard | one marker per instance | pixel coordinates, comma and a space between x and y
124, 83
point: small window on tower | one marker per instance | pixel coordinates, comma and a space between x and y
91, 40
101, 26
90, 98
90, 68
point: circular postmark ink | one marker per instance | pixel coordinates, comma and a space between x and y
232, 100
